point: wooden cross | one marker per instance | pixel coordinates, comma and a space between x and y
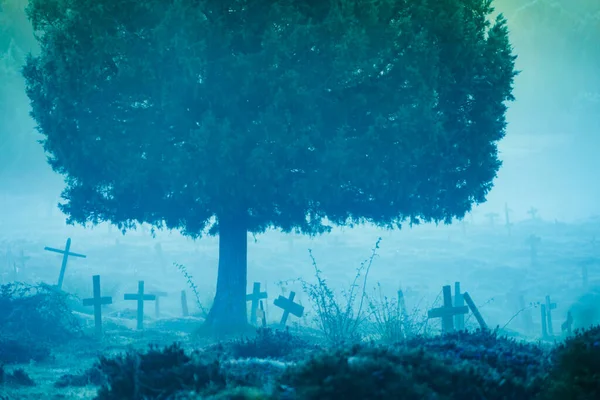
184, 304
157, 302
97, 301
475, 311
289, 307
507, 222
140, 297
549, 306
533, 241
533, 212
492, 217
255, 298
447, 311
66, 253
263, 315
459, 301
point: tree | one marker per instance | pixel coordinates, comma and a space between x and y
232, 116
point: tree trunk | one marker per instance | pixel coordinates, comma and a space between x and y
228, 313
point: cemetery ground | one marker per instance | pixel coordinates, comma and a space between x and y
523, 293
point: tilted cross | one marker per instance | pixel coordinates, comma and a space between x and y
447, 311
66, 253
289, 307
97, 301
140, 297
255, 298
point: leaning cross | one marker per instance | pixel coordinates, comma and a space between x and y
289, 307
66, 253
140, 297
447, 311
97, 301
475, 311
255, 298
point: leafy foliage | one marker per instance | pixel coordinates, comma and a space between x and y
280, 112
576, 370
156, 374
31, 319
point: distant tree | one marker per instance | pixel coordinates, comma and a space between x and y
232, 116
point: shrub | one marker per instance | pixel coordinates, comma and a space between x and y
269, 343
156, 374
456, 367
575, 374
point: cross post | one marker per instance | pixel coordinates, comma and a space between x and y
255, 298
66, 253
447, 311
140, 297
459, 301
475, 311
184, 304
549, 307
289, 307
97, 301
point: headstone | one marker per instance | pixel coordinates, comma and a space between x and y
549, 307
459, 301
66, 253
140, 297
533, 241
533, 212
475, 311
255, 298
492, 217
97, 301
184, 304
289, 307
567, 326
157, 302
447, 311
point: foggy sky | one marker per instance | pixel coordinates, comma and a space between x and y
550, 153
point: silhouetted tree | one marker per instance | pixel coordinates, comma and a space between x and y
266, 114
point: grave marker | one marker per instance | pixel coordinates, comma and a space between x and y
447, 311
549, 307
533, 212
66, 253
507, 222
289, 307
97, 301
475, 311
459, 301
255, 298
263, 315
184, 304
492, 217
533, 241
157, 302
140, 297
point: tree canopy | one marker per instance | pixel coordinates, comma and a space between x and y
286, 112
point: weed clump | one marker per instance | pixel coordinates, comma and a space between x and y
454, 369
32, 317
270, 344
575, 372
157, 374
18, 377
